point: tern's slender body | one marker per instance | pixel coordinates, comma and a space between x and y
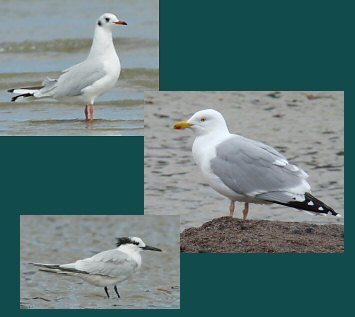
106, 268
89, 79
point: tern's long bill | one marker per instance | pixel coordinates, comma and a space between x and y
147, 247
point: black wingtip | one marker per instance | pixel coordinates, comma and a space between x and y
23, 95
48, 266
311, 204
11, 90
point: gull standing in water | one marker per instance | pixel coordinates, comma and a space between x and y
246, 170
89, 79
106, 268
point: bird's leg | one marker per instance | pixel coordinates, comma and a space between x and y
231, 208
245, 211
86, 113
108, 296
115, 288
91, 112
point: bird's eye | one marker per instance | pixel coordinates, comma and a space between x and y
107, 19
203, 119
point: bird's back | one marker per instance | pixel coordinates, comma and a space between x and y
112, 263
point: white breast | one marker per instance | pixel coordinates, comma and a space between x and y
204, 150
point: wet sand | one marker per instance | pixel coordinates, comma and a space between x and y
64, 239
224, 235
118, 118
307, 127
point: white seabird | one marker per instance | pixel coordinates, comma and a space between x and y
89, 79
246, 170
105, 268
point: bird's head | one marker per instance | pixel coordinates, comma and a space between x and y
108, 21
134, 243
204, 122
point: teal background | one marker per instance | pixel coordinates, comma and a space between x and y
72, 175
262, 45
204, 45
256, 45
63, 175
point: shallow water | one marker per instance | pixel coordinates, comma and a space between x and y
309, 131
40, 45
53, 239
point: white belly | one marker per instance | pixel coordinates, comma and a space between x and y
104, 84
100, 280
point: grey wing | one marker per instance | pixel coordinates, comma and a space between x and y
257, 170
266, 147
110, 263
73, 80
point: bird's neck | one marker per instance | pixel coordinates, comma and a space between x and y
102, 43
203, 148
220, 131
132, 251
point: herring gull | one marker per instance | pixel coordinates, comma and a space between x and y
245, 170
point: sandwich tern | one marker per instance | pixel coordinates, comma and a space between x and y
106, 268
89, 79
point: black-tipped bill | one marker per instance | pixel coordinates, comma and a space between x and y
147, 247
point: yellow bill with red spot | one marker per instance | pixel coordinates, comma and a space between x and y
182, 125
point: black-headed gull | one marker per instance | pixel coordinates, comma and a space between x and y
246, 170
105, 268
89, 79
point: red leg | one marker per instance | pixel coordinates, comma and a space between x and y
245, 211
231, 209
86, 113
91, 112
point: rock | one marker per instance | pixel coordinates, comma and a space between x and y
225, 235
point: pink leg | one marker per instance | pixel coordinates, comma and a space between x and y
86, 113
245, 211
91, 112
231, 209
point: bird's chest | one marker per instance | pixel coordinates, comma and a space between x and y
204, 151
112, 66
137, 258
